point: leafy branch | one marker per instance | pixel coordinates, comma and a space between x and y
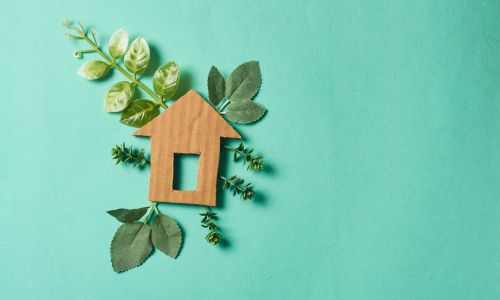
240, 87
236, 184
255, 162
122, 153
214, 236
136, 56
134, 240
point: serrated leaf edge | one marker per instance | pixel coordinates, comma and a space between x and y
261, 116
180, 244
111, 253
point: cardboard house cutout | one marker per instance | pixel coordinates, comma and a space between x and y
189, 126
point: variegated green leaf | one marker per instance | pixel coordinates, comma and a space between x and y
166, 80
94, 69
245, 111
244, 82
216, 86
118, 96
139, 112
118, 43
137, 57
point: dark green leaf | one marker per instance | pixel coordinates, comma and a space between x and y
128, 215
244, 82
166, 80
166, 235
131, 246
216, 86
245, 112
139, 112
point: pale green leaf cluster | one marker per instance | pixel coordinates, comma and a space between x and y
134, 241
240, 87
136, 57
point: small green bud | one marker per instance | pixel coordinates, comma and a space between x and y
65, 22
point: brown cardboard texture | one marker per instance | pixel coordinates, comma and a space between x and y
189, 126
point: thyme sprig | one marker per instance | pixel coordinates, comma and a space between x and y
122, 153
255, 162
238, 187
214, 236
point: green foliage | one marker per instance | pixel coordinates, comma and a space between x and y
118, 43
244, 82
139, 112
255, 162
136, 59
166, 80
134, 241
118, 96
216, 86
121, 153
130, 246
245, 112
94, 69
239, 89
125, 215
208, 221
238, 187
166, 235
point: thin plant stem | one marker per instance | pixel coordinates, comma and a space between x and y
151, 210
125, 73
226, 103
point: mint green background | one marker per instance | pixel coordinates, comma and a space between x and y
383, 138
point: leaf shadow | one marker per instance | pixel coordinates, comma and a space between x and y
154, 61
185, 83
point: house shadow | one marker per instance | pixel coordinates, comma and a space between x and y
221, 194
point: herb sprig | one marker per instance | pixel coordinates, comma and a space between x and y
255, 162
122, 153
208, 221
238, 186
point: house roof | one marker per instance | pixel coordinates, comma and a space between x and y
190, 114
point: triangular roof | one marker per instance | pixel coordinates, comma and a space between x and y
190, 113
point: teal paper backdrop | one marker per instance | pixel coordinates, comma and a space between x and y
382, 138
